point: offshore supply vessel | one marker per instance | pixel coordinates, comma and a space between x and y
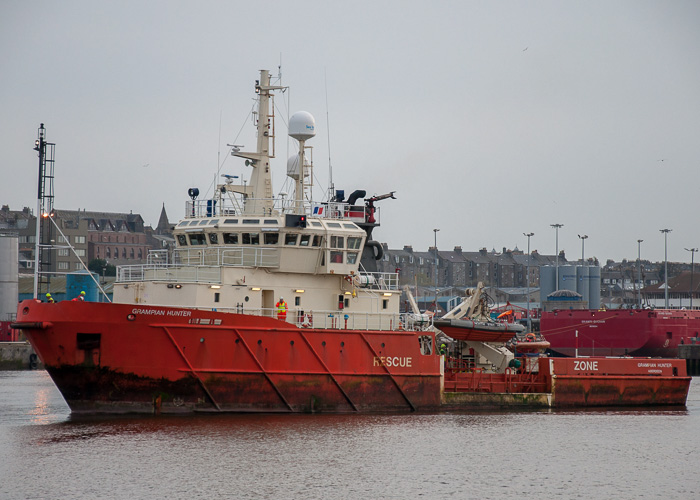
620, 332
269, 304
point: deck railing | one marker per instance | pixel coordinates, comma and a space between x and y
331, 320
280, 206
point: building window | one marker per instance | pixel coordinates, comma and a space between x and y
131, 253
63, 252
79, 239
123, 253
80, 252
63, 266
109, 253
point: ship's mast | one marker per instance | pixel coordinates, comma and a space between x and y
44, 210
258, 193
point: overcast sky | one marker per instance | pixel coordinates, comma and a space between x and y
488, 119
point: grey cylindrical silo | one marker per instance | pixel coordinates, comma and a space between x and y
594, 287
582, 284
567, 278
9, 282
547, 280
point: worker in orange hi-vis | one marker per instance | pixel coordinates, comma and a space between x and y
281, 309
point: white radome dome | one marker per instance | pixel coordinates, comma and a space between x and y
293, 166
302, 126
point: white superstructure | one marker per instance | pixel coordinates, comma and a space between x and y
243, 249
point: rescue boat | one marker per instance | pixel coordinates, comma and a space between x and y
270, 304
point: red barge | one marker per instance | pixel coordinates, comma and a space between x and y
207, 327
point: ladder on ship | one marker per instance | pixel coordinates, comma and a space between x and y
45, 232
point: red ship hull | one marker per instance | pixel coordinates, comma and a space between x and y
121, 358
619, 332
125, 358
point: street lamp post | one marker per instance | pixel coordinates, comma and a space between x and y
556, 229
639, 273
583, 240
529, 321
692, 269
435, 231
665, 231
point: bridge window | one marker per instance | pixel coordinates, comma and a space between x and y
250, 238
271, 238
336, 257
181, 239
337, 242
354, 243
352, 257
304, 241
213, 238
197, 239
290, 239
231, 238
318, 239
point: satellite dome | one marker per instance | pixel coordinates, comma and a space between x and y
302, 126
293, 166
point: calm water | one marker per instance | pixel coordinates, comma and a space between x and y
47, 454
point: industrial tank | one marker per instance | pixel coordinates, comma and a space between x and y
582, 282
594, 287
547, 280
9, 282
567, 278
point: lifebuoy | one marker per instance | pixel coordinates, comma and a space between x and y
530, 337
